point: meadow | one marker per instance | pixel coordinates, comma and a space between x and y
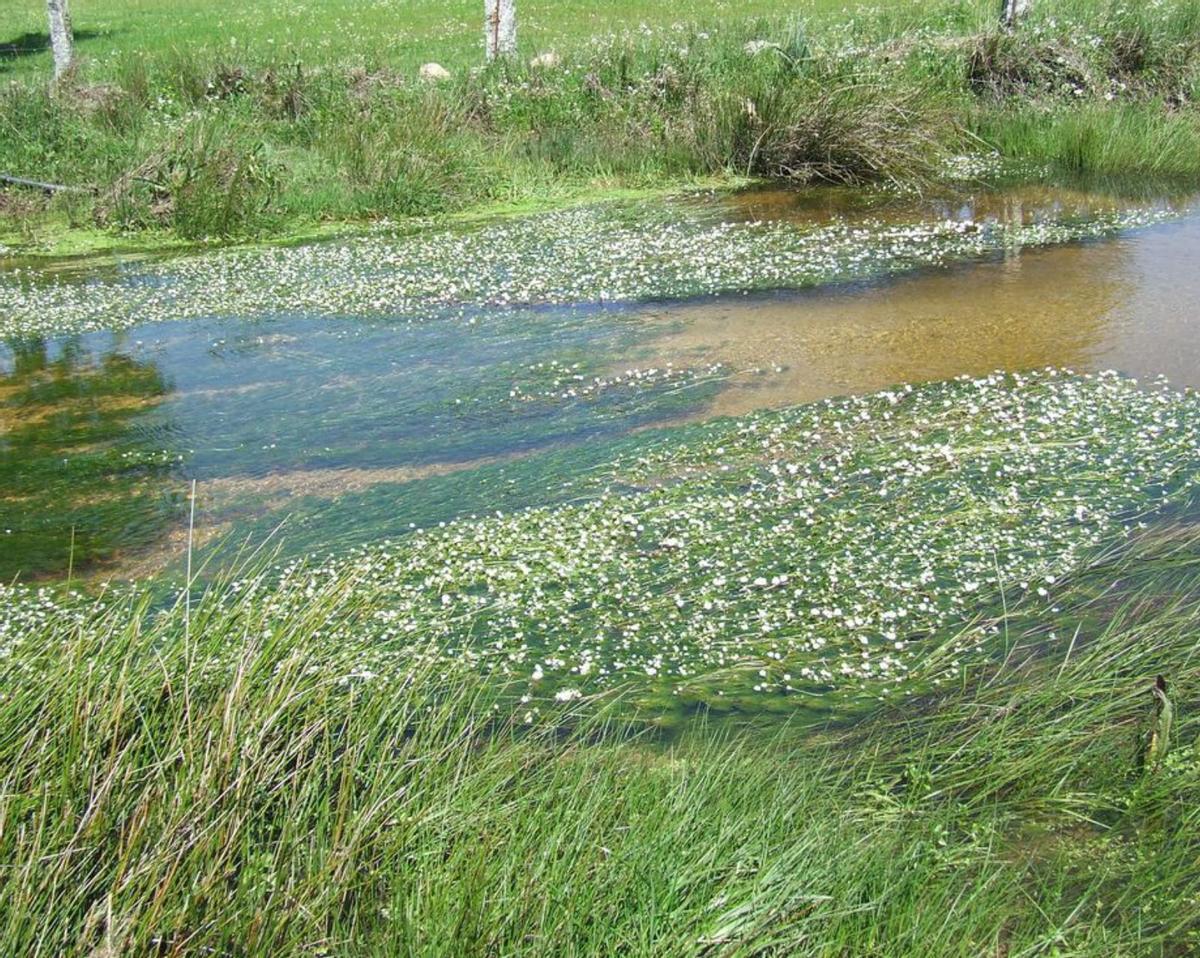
343, 33
303, 118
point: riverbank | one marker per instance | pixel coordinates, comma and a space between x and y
225, 778
300, 143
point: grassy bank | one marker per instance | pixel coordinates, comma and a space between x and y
626, 722
238, 136
221, 780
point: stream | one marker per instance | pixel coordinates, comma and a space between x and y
345, 392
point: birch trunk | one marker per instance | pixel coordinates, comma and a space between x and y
500, 28
1014, 10
62, 43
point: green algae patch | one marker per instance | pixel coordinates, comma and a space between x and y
56, 246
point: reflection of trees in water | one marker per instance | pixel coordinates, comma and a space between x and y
29, 356
81, 477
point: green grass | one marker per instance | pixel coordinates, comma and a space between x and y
327, 759
1100, 140
342, 32
223, 776
207, 130
223, 781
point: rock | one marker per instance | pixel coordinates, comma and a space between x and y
545, 61
753, 48
434, 71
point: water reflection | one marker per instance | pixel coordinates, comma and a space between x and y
268, 415
80, 480
1020, 204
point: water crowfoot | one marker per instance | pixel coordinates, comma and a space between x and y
592, 254
831, 552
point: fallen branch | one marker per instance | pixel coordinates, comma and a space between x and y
38, 184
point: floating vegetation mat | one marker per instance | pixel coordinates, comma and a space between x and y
609, 253
818, 557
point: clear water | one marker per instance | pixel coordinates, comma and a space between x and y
360, 425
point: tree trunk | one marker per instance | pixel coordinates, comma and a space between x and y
1014, 10
500, 28
61, 41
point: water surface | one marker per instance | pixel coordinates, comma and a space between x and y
363, 424
1130, 302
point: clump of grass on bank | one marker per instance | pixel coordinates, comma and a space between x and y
219, 780
220, 143
1094, 140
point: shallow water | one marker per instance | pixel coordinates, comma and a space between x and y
1130, 302
363, 424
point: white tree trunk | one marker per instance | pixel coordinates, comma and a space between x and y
500, 28
1014, 10
61, 41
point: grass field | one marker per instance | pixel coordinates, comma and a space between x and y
298, 116
402, 34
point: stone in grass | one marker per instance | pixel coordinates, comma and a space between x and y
434, 71
753, 48
546, 61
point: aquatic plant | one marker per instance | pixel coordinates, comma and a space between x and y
79, 480
591, 254
225, 778
819, 558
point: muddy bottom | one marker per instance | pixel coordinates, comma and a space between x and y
1130, 303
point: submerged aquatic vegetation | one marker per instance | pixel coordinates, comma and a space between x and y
813, 557
555, 380
605, 253
80, 478
796, 552
241, 786
102, 432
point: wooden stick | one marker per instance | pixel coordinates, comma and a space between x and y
38, 184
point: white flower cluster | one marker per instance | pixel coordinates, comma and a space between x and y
804, 555
608, 253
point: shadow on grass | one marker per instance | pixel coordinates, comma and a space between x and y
31, 43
